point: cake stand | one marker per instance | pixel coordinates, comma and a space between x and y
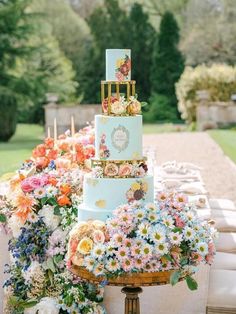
131, 284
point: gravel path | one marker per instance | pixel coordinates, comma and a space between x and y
219, 173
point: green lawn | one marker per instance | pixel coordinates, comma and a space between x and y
163, 127
19, 148
227, 141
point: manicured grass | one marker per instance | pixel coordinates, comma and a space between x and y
163, 127
227, 141
19, 148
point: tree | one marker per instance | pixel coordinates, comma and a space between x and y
15, 30
168, 62
141, 38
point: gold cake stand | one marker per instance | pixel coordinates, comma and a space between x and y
131, 284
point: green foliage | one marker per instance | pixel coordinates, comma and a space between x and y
160, 109
168, 62
8, 106
69, 29
218, 79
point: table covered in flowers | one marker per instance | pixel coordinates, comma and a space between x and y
39, 210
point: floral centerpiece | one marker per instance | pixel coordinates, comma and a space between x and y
39, 211
157, 237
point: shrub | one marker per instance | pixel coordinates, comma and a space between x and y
160, 110
8, 116
219, 80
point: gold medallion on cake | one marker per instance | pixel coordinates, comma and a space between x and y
101, 203
120, 138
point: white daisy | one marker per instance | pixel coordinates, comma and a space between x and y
175, 238
40, 193
188, 233
168, 221
158, 234
144, 230
202, 248
89, 263
112, 265
140, 214
162, 248
98, 251
152, 217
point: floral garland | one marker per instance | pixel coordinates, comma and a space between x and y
167, 235
40, 210
122, 106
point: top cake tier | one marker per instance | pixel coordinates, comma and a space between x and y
118, 65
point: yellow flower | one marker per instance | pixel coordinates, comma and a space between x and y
135, 186
145, 186
85, 246
119, 62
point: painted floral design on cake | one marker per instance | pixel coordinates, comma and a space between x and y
137, 191
123, 67
104, 152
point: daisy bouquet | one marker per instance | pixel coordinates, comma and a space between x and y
157, 237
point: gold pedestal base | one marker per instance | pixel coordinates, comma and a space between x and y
132, 305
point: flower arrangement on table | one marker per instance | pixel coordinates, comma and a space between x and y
157, 237
122, 106
40, 210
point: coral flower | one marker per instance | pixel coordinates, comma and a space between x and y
65, 189
39, 151
63, 200
24, 204
42, 162
52, 181
52, 154
49, 142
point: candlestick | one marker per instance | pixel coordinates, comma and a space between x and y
72, 126
49, 132
55, 131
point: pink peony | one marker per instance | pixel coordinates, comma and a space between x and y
119, 76
35, 182
125, 170
98, 236
26, 186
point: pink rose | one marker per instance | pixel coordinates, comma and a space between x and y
26, 186
98, 236
35, 182
125, 170
179, 222
44, 179
119, 76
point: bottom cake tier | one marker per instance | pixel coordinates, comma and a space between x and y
102, 195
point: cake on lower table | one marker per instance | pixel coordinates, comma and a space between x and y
103, 195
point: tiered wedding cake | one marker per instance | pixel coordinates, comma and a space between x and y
119, 172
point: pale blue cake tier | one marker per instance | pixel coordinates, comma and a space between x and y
118, 138
102, 195
118, 64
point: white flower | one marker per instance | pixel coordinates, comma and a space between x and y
143, 230
202, 248
152, 217
168, 221
175, 238
51, 191
45, 306
188, 233
15, 224
40, 192
146, 250
112, 265
158, 234
118, 107
98, 251
32, 217
151, 207
89, 263
34, 269
162, 248
47, 214
140, 214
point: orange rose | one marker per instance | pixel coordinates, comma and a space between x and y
64, 146
39, 151
65, 189
52, 154
49, 142
63, 200
52, 181
42, 162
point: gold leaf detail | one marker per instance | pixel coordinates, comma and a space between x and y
92, 182
100, 203
136, 155
104, 119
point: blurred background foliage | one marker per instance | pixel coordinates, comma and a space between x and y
59, 47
